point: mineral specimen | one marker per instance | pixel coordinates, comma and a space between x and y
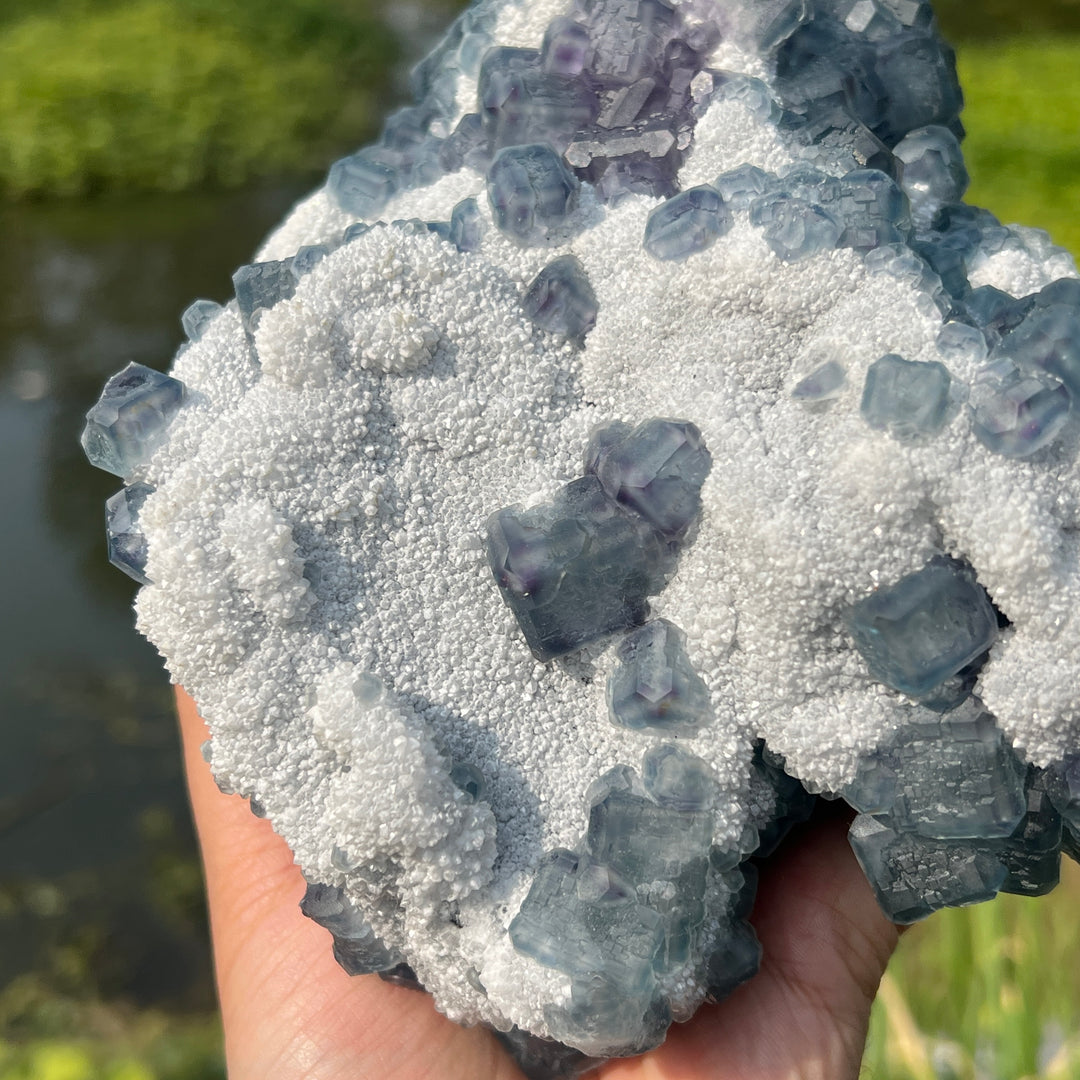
773, 438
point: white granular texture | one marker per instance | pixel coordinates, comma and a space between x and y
317, 528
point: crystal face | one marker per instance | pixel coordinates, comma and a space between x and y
656, 470
1017, 414
948, 777
913, 876
611, 320
576, 570
261, 286
927, 626
130, 418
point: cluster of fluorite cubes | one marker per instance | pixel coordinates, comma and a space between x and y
610, 97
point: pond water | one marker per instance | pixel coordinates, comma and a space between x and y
95, 845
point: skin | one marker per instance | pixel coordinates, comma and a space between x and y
291, 1013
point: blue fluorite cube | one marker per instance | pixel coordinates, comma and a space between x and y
654, 685
644, 841
466, 228
198, 316
1016, 413
913, 876
561, 300
583, 918
361, 184
1032, 855
575, 570
531, 191
793, 228
522, 103
687, 223
740, 186
952, 776
130, 419
918, 632
1047, 341
566, 49
656, 469
824, 383
674, 777
934, 173
260, 286
906, 398
307, 258
125, 539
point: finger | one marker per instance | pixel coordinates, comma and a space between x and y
288, 1009
805, 1015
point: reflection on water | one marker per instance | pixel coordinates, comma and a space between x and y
96, 853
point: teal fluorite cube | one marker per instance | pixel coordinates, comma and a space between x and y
918, 632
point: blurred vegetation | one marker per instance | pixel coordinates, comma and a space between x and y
171, 94
1023, 121
984, 993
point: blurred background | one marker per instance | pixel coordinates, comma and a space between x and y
145, 148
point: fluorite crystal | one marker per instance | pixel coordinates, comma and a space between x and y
126, 541
129, 421
560, 298
654, 684
639, 436
927, 626
906, 398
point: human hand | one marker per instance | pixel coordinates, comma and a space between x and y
290, 1013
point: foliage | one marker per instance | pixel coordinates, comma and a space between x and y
169, 94
109, 1043
984, 993
964, 20
1023, 119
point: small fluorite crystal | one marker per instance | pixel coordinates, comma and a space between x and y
946, 776
198, 316
560, 299
126, 541
654, 685
917, 632
1016, 414
575, 570
130, 419
656, 470
545, 514
260, 286
531, 192
686, 223
906, 398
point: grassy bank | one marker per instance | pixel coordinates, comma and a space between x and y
174, 94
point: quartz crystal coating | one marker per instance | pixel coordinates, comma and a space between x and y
640, 437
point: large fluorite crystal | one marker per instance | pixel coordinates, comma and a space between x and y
641, 436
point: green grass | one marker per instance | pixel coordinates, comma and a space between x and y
172, 94
1023, 121
61, 1038
984, 993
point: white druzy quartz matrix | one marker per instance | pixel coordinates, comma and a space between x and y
637, 443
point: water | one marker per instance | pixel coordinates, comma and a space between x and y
96, 853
